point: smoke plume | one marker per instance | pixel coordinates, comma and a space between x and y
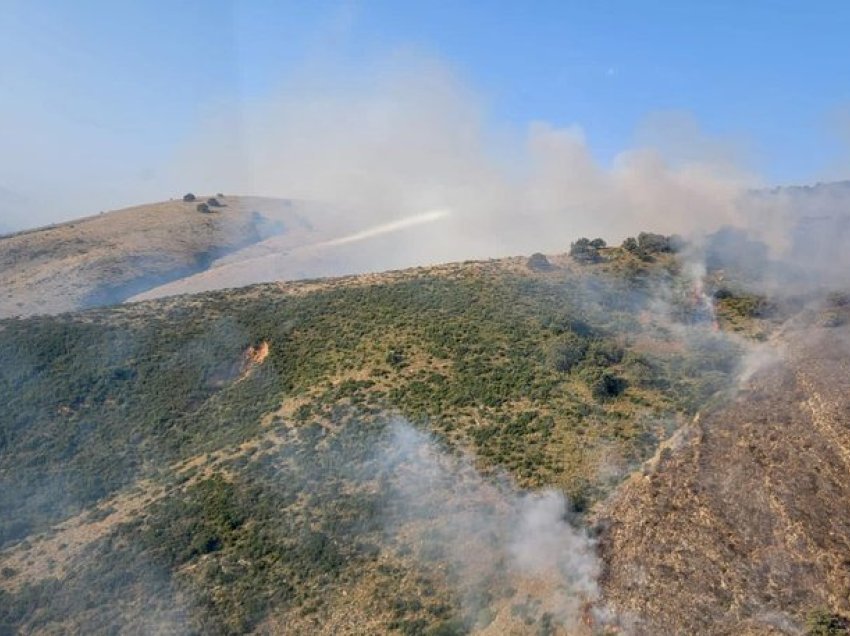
508, 553
408, 137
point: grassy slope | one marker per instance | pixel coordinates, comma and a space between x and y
219, 489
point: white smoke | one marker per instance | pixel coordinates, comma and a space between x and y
503, 548
758, 357
388, 228
407, 137
395, 142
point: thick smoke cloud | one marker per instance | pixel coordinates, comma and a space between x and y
407, 138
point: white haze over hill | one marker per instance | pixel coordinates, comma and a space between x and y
398, 142
410, 138
420, 173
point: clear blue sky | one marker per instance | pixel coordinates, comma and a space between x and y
774, 76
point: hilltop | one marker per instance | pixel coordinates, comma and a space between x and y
169, 248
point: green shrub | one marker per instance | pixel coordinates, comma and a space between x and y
821, 622
538, 262
584, 251
630, 244
565, 352
607, 385
652, 243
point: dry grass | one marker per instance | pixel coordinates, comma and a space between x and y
62, 267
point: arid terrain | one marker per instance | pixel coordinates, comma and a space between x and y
744, 522
107, 258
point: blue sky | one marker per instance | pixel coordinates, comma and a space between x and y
105, 90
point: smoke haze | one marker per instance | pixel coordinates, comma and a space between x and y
502, 547
409, 138
418, 171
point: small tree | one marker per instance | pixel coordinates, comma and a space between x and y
538, 262
630, 244
651, 243
582, 251
597, 243
188, 197
213, 202
203, 207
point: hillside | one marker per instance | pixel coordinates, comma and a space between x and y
169, 248
745, 520
107, 258
432, 451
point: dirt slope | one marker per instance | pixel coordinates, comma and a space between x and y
107, 258
746, 527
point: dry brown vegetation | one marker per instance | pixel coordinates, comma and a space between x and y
745, 525
106, 258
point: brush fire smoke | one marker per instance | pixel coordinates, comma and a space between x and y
512, 556
388, 149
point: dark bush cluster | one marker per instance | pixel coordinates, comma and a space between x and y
648, 244
586, 251
538, 262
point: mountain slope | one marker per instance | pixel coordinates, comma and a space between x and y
747, 523
243, 441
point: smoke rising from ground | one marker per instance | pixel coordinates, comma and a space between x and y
501, 547
401, 139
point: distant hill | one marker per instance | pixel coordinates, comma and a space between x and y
339, 244
169, 248
107, 258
